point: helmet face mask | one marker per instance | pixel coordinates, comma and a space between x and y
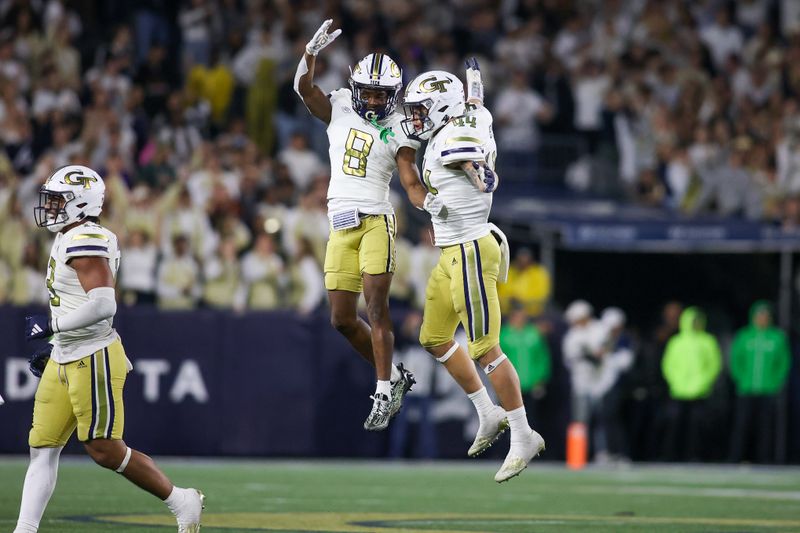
51, 210
373, 75
71, 194
431, 100
418, 124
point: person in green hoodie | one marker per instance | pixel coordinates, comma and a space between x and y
760, 363
527, 350
691, 365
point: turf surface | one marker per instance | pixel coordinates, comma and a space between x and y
421, 497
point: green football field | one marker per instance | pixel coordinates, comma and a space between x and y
421, 497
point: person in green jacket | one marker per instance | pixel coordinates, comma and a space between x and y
760, 364
691, 365
527, 350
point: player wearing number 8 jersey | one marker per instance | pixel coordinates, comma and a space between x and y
459, 168
367, 145
83, 368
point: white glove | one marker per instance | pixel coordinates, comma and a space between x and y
434, 205
474, 82
322, 38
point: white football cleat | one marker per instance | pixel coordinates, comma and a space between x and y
519, 456
379, 416
189, 515
489, 431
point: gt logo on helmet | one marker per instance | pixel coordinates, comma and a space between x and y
78, 179
428, 85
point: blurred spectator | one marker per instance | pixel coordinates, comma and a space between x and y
137, 276
590, 85
157, 77
222, 277
528, 283
527, 350
759, 366
307, 288
195, 21
580, 350
722, 38
691, 365
178, 285
26, 283
647, 386
303, 164
262, 274
516, 112
617, 360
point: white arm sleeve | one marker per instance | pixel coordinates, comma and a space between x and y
102, 304
302, 70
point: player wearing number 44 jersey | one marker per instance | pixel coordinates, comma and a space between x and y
367, 145
83, 368
459, 168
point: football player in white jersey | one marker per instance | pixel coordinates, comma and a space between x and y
459, 168
84, 366
367, 145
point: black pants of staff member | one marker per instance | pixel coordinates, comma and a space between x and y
753, 435
684, 433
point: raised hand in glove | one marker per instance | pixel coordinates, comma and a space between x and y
474, 82
322, 38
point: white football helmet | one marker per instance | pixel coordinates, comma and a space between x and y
71, 194
377, 72
431, 99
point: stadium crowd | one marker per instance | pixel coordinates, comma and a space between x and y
217, 172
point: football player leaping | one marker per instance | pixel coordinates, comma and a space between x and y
459, 168
366, 145
84, 367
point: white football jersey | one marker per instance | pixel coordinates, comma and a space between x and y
361, 163
466, 138
66, 293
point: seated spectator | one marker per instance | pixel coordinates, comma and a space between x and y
262, 274
222, 277
306, 285
26, 282
137, 270
179, 284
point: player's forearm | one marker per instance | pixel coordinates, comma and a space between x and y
304, 76
472, 173
102, 305
480, 175
416, 194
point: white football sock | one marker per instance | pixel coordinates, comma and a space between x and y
40, 481
384, 387
396, 374
518, 421
482, 401
176, 499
